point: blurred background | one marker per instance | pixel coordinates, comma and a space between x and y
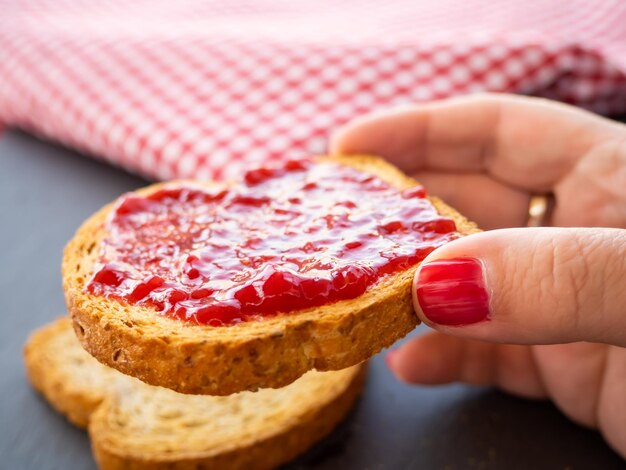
119, 92
203, 88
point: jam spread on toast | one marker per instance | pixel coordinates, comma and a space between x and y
283, 239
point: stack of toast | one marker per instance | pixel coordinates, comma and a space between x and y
165, 393
133, 425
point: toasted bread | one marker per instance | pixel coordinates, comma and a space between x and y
202, 359
137, 426
72, 381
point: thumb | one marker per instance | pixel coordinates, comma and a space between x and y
528, 286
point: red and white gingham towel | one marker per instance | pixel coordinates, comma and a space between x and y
203, 89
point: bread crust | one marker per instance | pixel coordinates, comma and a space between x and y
76, 401
265, 449
202, 359
136, 426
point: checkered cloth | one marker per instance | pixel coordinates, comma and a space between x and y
204, 89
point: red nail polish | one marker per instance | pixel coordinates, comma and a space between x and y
452, 291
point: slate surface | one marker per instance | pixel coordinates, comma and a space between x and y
46, 191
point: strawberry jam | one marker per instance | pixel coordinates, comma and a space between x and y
283, 239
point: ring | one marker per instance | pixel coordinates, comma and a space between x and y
538, 210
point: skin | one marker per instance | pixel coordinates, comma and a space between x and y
557, 296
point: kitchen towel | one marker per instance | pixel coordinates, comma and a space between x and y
205, 89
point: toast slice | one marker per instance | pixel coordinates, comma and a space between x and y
137, 426
202, 359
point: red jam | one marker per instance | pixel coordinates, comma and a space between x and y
284, 239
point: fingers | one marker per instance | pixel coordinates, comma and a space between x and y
611, 408
525, 142
528, 286
585, 380
487, 202
594, 193
573, 375
435, 358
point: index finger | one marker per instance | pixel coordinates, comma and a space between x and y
529, 143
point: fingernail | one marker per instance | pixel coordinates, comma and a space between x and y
390, 357
452, 292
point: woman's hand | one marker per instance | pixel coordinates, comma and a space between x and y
538, 312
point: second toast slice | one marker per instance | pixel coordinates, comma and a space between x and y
136, 426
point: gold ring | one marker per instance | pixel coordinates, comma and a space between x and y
538, 210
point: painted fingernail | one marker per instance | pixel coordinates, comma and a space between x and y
453, 292
390, 357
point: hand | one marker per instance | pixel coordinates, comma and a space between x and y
538, 312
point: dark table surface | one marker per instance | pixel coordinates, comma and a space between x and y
46, 191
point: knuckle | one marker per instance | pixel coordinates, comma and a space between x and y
568, 283
563, 274
582, 274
